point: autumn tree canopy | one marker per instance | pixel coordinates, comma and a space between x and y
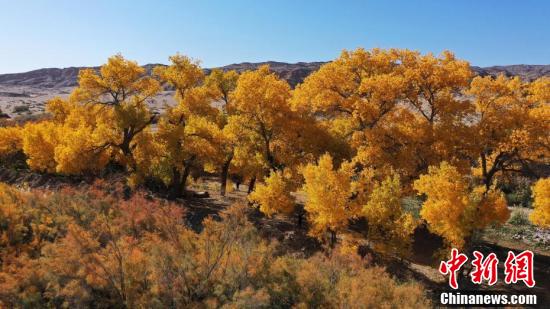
122, 88
511, 125
541, 195
348, 144
454, 210
396, 109
187, 133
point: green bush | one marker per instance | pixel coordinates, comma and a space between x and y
21, 109
518, 192
519, 218
412, 205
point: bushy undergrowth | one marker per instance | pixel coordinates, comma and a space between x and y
98, 248
519, 231
519, 218
518, 192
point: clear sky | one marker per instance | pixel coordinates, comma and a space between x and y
56, 33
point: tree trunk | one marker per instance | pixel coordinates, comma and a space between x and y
128, 154
251, 184
175, 184
185, 175
224, 173
485, 174
300, 218
332, 238
178, 185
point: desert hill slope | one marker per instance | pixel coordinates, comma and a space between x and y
26, 93
294, 73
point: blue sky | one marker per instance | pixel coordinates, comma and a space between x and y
55, 33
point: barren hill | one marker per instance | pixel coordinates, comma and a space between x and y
26, 93
525, 71
294, 73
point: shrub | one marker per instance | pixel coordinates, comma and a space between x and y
21, 109
95, 248
412, 205
519, 218
517, 191
453, 210
10, 140
541, 195
339, 281
273, 196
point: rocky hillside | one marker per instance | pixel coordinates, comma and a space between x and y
47, 78
525, 71
294, 73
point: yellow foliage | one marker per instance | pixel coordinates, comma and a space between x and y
373, 288
329, 192
147, 155
261, 118
454, 211
60, 109
76, 152
117, 97
118, 81
491, 207
540, 90
103, 119
10, 212
183, 74
396, 109
341, 281
541, 196
39, 142
382, 118
390, 228
183, 142
509, 127
10, 140
222, 84
188, 134
82, 248
68, 144
194, 136
273, 196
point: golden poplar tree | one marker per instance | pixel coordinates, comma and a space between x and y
510, 130
390, 228
187, 133
274, 196
329, 191
262, 117
541, 202
394, 108
454, 210
122, 88
10, 140
222, 84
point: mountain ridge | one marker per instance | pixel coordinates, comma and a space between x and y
294, 73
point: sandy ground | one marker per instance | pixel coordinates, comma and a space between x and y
35, 98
